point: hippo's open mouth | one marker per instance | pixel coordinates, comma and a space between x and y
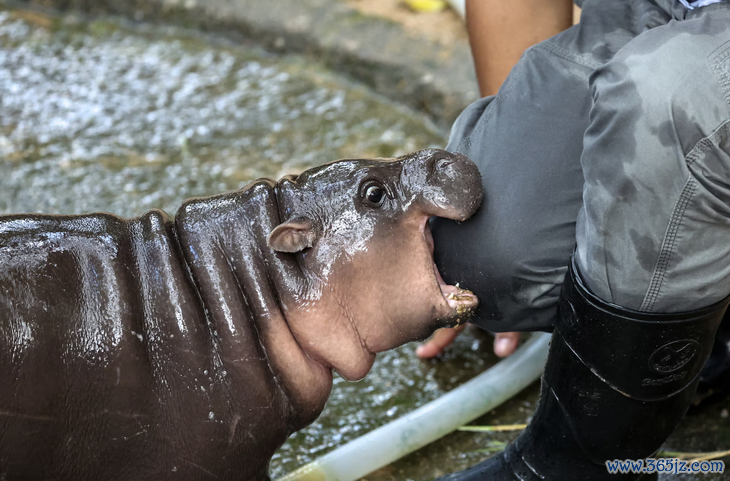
459, 300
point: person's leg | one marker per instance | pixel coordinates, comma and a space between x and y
499, 33
653, 233
527, 142
519, 241
639, 311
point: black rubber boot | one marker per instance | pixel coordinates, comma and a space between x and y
715, 376
616, 384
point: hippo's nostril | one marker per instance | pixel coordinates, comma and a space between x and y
443, 163
440, 163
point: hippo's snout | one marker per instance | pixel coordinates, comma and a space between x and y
448, 184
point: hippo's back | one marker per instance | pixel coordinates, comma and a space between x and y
88, 357
109, 365
63, 313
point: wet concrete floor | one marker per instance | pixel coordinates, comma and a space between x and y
103, 116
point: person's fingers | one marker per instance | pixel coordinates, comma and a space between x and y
505, 343
438, 342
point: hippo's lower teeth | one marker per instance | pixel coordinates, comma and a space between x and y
462, 295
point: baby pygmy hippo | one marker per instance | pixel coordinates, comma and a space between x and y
190, 348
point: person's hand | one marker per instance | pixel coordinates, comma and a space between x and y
505, 343
438, 342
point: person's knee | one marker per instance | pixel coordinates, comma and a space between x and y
477, 257
516, 276
653, 104
663, 82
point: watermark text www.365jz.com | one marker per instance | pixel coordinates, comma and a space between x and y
664, 465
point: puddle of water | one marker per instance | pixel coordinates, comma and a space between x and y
100, 116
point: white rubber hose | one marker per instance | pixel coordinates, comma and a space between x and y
428, 423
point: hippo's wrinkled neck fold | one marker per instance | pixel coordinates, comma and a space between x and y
224, 239
246, 288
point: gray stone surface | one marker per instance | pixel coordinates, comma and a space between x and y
427, 75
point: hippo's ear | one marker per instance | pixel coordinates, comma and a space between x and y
293, 235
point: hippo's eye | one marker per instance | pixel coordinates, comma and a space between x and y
373, 194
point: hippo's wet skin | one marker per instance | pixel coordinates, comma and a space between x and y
190, 348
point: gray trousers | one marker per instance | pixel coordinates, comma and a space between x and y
613, 136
